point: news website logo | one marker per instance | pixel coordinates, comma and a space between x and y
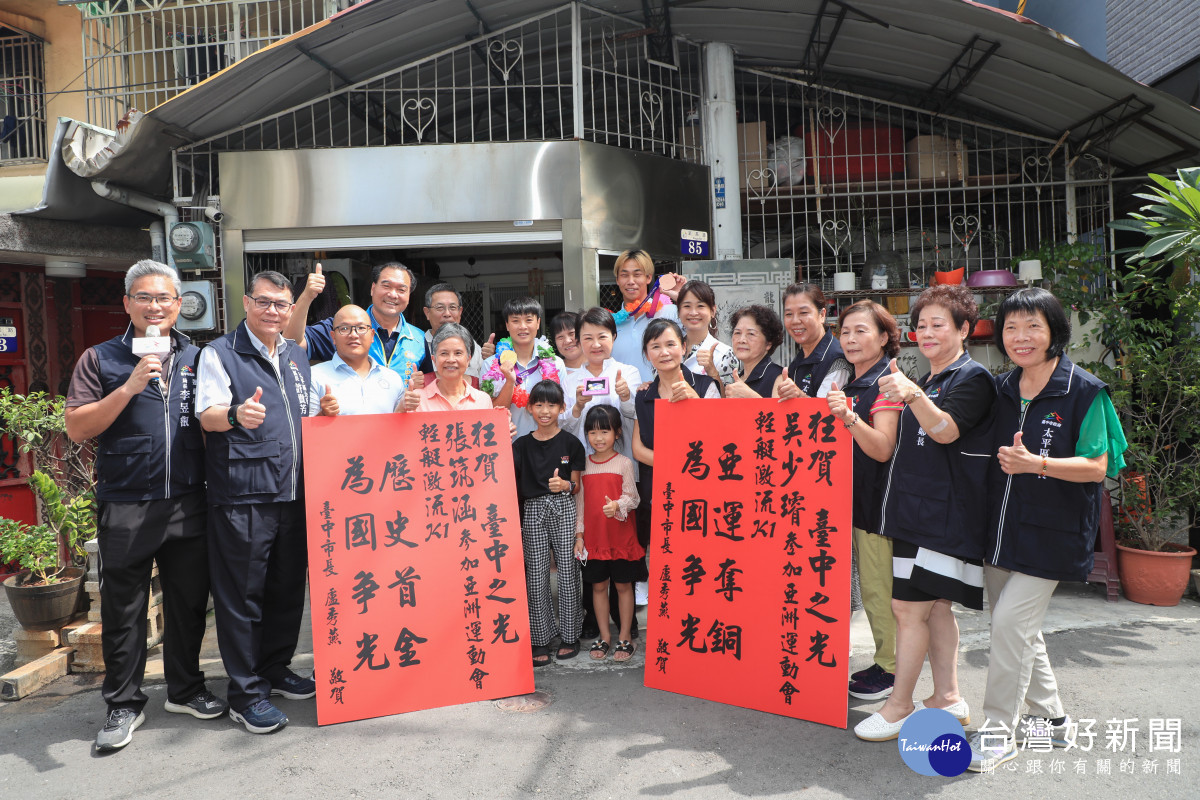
932, 742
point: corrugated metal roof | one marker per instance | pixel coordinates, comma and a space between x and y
1038, 80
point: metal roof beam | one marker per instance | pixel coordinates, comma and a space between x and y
958, 76
824, 33
660, 41
1100, 128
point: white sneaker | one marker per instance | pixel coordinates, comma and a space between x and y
1000, 748
641, 593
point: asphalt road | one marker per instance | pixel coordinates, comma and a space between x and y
605, 735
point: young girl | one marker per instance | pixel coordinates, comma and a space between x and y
548, 462
607, 533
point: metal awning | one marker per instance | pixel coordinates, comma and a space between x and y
953, 54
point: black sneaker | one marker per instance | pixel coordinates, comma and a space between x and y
202, 705
118, 729
262, 717
865, 673
873, 687
293, 687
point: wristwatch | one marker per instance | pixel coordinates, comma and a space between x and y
909, 400
232, 416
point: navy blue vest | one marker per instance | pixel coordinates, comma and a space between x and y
762, 379
869, 474
262, 465
808, 371
1038, 526
154, 449
935, 494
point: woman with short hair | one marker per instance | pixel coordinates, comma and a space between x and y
816, 348
756, 333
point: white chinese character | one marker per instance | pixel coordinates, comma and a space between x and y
1120, 733
1058, 766
1081, 766
1104, 766
1080, 730
1033, 767
1165, 735
1150, 766
1127, 766
1173, 766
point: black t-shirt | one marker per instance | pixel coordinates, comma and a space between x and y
535, 461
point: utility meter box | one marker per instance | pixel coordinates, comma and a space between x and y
193, 245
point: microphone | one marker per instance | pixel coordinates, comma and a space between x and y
152, 345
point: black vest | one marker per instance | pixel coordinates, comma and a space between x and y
869, 474
935, 494
809, 371
1038, 526
260, 465
154, 449
762, 379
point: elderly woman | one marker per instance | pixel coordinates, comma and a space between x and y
756, 333
1044, 510
816, 348
451, 391
705, 353
931, 505
562, 333
870, 338
641, 302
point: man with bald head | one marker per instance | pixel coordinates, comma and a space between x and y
351, 382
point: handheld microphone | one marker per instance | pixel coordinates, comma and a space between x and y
152, 345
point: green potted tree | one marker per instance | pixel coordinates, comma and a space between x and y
45, 593
1149, 330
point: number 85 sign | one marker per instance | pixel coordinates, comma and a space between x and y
8, 339
693, 243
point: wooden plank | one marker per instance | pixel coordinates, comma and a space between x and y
24, 681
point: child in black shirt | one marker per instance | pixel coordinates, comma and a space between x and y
548, 463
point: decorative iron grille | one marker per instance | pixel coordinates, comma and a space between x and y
22, 98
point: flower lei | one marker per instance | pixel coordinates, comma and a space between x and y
654, 297
506, 354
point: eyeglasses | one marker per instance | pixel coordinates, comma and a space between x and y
446, 309
264, 303
346, 330
143, 299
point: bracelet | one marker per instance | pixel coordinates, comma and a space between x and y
912, 397
852, 422
1045, 463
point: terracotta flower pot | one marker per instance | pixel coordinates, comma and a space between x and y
1155, 578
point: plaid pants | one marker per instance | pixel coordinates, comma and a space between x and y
548, 524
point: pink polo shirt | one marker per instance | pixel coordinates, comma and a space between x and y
433, 400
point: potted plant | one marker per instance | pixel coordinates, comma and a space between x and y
1149, 332
51, 552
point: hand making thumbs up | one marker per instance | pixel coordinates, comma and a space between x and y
622, 387
329, 403
611, 507
739, 388
1017, 459
557, 484
839, 405
488, 348
315, 284
895, 385
412, 395
252, 413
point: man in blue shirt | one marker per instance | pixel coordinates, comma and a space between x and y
350, 382
397, 345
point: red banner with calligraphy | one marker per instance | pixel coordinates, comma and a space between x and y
750, 556
416, 574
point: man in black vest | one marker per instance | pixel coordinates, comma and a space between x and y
150, 493
252, 392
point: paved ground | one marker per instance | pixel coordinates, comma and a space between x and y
605, 735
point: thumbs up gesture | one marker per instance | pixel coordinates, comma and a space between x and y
329, 403
786, 389
839, 404
739, 388
488, 348
895, 385
705, 357
622, 387
557, 484
315, 284
412, 395
1017, 459
252, 412
611, 507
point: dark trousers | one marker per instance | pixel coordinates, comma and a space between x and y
131, 537
258, 555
